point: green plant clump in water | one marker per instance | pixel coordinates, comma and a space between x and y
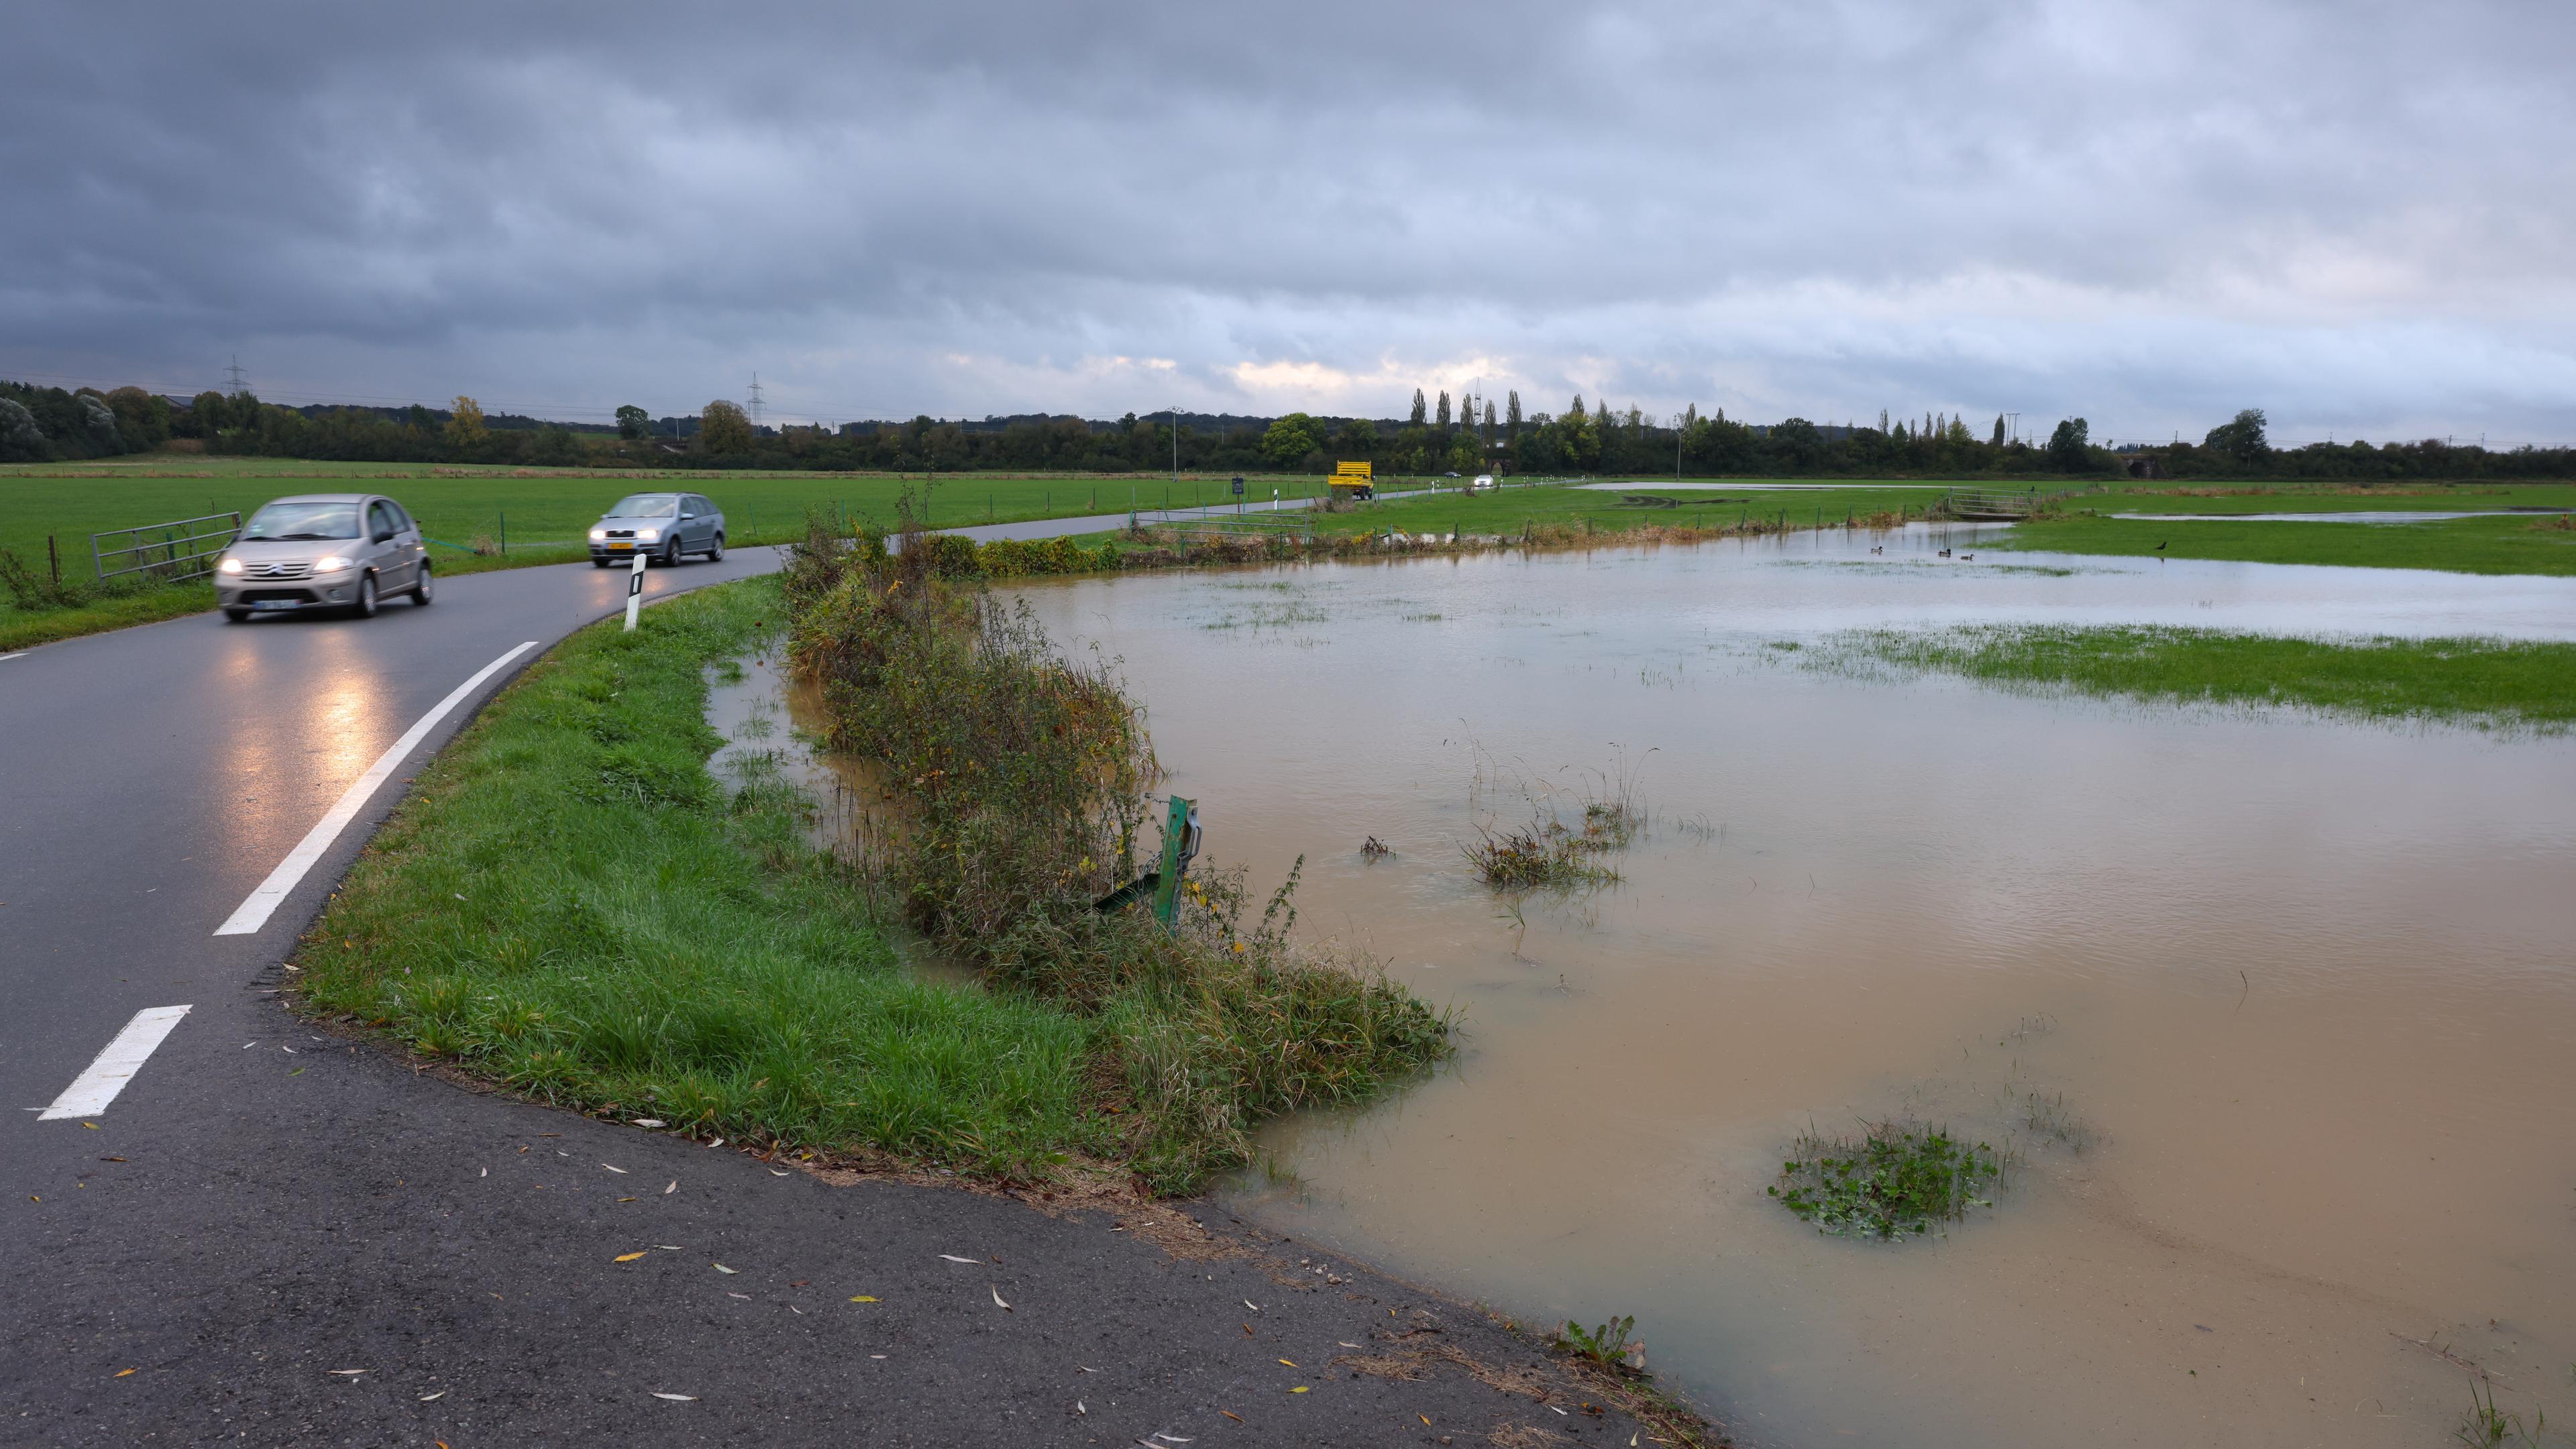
1548, 852
1605, 1344
1897, 1179
1022, 779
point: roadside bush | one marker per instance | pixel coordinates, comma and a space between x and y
1022, 779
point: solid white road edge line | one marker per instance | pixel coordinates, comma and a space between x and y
254, 910
92, 1090
21, 654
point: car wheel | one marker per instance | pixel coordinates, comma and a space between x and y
365, 608
420, 591
236, 616
597, 562
715, 551
671, 554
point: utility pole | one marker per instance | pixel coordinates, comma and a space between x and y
1679, 431
755, 402
1176, 449
234, 374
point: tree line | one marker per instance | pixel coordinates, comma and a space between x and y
1463, 435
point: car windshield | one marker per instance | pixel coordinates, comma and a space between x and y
303, 520
646, 505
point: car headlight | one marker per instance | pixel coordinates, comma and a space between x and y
648, 534
599, 535
229, 566
331, 565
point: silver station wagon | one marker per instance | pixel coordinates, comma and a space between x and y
660, 526
323, 551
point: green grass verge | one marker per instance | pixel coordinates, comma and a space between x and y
21, 629
569, 903
1895, 1179
2485, 683
2509, 545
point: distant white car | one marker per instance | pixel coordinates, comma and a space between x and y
1483, 482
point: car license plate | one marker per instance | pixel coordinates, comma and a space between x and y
262, 604
614, 547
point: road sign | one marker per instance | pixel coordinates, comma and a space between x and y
1238, 488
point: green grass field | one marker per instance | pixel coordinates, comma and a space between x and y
2486, 683
2510, 545
540, 512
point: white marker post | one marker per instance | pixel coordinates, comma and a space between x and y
635, 591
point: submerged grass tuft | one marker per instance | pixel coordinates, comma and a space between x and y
1897, 1179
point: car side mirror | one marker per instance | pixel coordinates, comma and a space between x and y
384, 535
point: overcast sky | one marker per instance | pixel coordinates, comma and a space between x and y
2358, 216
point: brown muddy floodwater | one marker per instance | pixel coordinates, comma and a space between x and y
2304, 991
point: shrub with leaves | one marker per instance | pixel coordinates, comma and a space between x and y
1897, 1179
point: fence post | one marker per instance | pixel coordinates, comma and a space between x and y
54, 560
505, 533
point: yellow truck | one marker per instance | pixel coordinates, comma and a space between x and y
1350, 481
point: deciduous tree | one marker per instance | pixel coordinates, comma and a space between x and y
465, 423
725, 428
632, 423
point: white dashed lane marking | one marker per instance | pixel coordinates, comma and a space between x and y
92, 1090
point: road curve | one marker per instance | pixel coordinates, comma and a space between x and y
268, 1237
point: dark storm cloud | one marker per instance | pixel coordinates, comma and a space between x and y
2353, 214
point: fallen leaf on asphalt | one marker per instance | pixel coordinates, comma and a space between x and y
774, 1172
290, 1051
299, 1071
997, 1298
1425, 1418
792, 1308
349, 1372
682, 1398
621, 1172
120, 1373
486, 1172
1553, 1409
630, 1199
670, 1247
801, 1282
112, 1159
876, 1355
1346, 1345
721, 1268
719, 1142
1255, 1307
1291, 1365
90, 1125
1301, 1388
425, 1398
1172, 1438
648, 1121
738, 1295
1231, 1414
1078, 1408
952, 1257
628, 1257
863, 1298
1247, 1330
674, 1187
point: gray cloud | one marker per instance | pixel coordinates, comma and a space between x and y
2353, 214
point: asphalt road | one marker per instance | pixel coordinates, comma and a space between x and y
273, 1237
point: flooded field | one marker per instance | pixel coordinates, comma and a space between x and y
2278, 1014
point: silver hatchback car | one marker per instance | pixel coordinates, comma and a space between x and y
323, 551
660, 526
